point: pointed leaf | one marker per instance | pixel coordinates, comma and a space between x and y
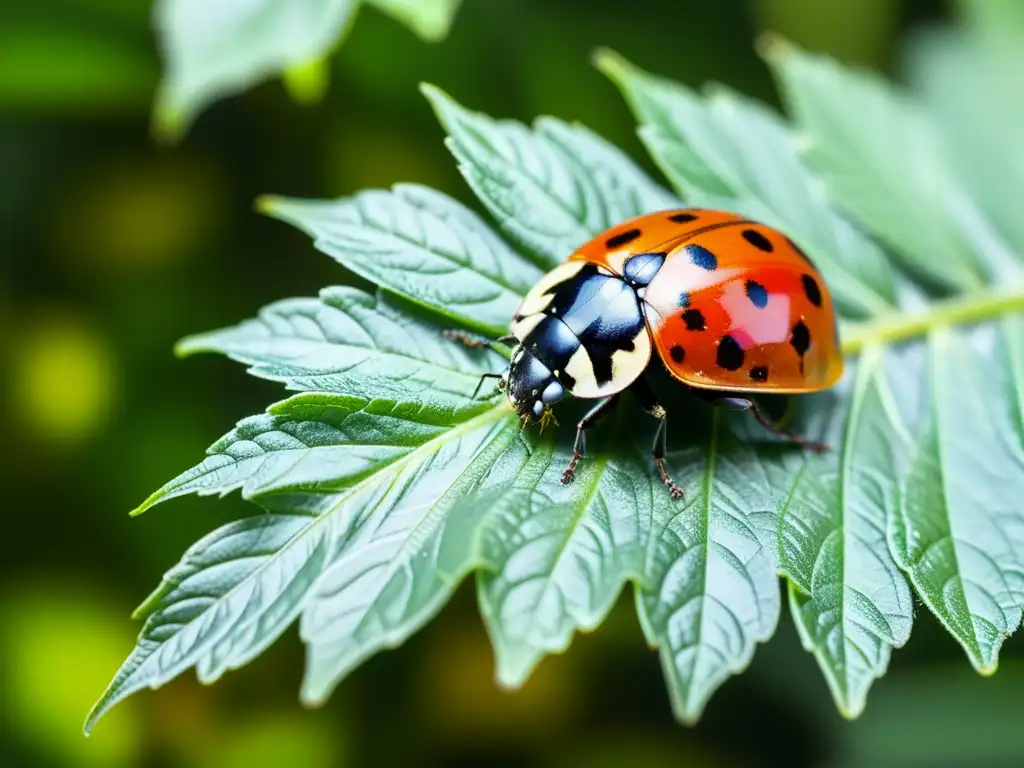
850, 602
726, 146
422, 245
710, 591
233, 593
416, 540
960, 77
561, 554
383, 487
882, 159
351, 342
216, 49
313, 442
430, 19
960, 531
552, 188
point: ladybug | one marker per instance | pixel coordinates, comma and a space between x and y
729, 306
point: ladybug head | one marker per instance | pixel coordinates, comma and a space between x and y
531, 386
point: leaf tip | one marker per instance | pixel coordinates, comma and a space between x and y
771, 46
515, 666
169, 123
849, 711
611, 63
188, 346
268, 205
313, 696
152, 500
96, 712
439, 99
307, 81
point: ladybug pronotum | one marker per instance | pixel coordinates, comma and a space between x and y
729, 306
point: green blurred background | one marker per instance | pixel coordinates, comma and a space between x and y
112, 247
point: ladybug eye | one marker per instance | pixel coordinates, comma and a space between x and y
553, 392
538, 409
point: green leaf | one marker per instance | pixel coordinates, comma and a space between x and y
710, 593
350, 343
882, 159
560, 555
232, 595
430, 19
850, 602
314, 441
959, 533
422, 245
551, 188
1001, 20
218, 49
381, 488
416, 538
727, 146
390, 481
960, 77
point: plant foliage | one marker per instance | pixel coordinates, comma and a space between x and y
215, 49
384, 482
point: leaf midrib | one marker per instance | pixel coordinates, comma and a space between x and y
937, 386
601, 466
896, 326
430, 514
865, 373
707, 487
392, 469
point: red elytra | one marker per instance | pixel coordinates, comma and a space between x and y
736, 307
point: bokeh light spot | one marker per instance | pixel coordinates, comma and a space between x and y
64, 379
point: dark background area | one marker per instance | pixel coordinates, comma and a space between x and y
112, 247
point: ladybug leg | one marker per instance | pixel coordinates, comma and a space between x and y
473, 341
579, 448
484, 377
649, 402
746, 404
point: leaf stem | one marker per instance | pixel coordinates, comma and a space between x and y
958, 311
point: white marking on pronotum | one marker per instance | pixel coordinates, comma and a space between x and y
521, 328
540, 297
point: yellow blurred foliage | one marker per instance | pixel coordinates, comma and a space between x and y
61, 643
274, 740
464, 704
63, 378
852, 30
139, 214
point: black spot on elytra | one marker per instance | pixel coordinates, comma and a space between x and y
702, 257
758, 240
677, 353
759, 373
800, 252
694, 320
616, 241
730, 354
812, 290
757, 294
801, 338
682, 218
684, 300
